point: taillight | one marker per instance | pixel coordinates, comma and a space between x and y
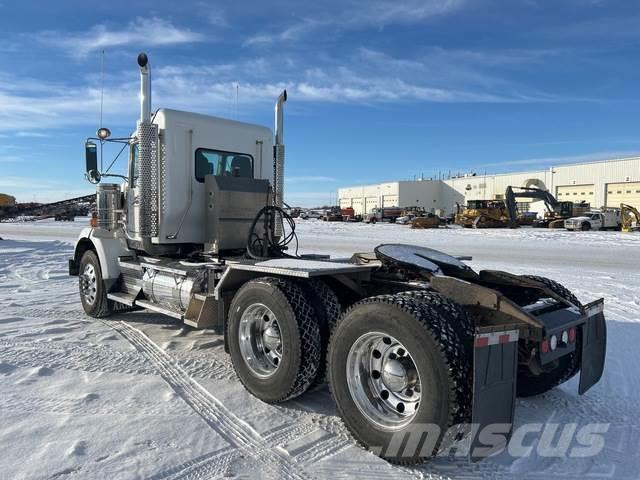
565, 337
553, 342
544, 346
572, 334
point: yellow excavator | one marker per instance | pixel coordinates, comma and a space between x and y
630, 217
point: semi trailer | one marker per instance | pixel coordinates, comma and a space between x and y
406, 336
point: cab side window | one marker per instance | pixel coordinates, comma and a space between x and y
225, 164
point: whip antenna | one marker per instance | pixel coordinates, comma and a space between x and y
101, 100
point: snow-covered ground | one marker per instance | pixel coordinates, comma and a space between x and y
141, 396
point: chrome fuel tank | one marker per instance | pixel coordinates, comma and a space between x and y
171, 289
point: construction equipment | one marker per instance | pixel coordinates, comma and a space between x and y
7, 200
71, 207
556, 212
334, 214
553, 206
482, 214
196, 232
629, 217
605, 218
428, 220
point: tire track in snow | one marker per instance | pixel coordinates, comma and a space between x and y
288, 433
99, 358
211, 465
213, 412
216, 463
85, 406
323, 448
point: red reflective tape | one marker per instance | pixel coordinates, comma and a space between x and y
482, 341
504, 338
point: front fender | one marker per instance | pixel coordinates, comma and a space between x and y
107, 245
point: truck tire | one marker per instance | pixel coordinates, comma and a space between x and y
423, 376
328, 309
93, 294
529, 383
453, 311
585, 226
274, 339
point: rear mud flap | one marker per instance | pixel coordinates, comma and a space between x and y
495, 371
594, 346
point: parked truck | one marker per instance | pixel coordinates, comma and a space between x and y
386, 214
601, 219
406, 336
349, 215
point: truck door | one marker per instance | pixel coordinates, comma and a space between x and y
598, 221
133, 193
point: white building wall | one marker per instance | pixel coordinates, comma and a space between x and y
430, 194
598, 174
366, 197
436, 194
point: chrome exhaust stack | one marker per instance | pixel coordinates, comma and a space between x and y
278, 151
145, 88
147, 219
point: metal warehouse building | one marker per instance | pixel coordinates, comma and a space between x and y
608, 182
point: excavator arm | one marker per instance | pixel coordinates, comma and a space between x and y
526, 192
629, 215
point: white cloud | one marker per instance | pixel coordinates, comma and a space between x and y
383, 12
141, 32
568, 159
313, 178
23, 133
292, 32
28, 189
309, 199
28, 106
359, 14
10, 159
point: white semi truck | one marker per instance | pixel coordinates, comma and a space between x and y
408, 337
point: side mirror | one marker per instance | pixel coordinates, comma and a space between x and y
91, 160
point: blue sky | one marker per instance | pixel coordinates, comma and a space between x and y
378, 90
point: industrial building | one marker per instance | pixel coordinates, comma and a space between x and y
607, 182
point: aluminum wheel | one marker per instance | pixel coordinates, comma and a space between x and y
260, 340
383, 380
88, 284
